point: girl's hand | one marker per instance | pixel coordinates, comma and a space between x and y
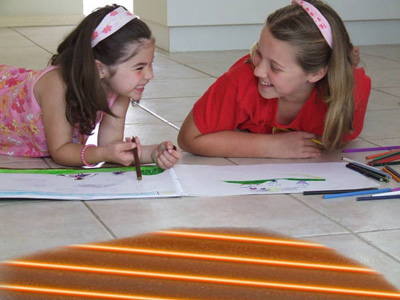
121, 152
165, 155
296, 144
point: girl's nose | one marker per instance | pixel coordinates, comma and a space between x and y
149, 74
261, 70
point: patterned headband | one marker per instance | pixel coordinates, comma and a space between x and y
111, 23
319, 20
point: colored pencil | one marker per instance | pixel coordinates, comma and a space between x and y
330, 196
394, 192
367, 173
378, 198
278, 129
321, 192
372, 156
378, 164
385, 154
376, 170
391, 158
352, 150
137, 162
392, 173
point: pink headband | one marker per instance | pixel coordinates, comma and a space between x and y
319, 20
111, 23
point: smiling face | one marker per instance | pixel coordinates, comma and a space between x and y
130, 77
279, 75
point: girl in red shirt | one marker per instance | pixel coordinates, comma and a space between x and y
299, 81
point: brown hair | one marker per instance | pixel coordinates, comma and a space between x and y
293, 25
85, 95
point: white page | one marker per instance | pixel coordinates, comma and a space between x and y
201, 180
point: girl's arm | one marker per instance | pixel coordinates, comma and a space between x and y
111, 131
165, 154
112, 128
231, 143
50, 91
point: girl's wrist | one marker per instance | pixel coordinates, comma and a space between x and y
83, 155
154, 155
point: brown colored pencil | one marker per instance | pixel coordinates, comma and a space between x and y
137, 162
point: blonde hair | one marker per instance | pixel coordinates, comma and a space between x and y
293, 25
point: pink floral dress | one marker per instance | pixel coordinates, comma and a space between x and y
21, 126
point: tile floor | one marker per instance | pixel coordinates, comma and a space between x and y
368, 232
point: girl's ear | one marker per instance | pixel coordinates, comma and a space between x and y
101, 68
316, 76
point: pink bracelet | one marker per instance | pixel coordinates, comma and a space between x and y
83, 151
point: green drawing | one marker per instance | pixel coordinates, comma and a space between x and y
260, 181
146, 170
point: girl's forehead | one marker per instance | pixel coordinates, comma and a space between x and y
136, 49
276, 49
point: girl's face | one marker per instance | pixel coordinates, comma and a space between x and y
279, 75
130, 77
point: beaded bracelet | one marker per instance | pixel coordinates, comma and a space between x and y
83, 151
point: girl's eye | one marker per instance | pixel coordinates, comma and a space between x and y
274, 68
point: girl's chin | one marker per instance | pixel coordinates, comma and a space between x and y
267, 92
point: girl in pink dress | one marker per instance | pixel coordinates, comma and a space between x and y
101, 66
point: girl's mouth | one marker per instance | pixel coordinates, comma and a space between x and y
265, 83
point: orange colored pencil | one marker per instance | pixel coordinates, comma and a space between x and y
372, 156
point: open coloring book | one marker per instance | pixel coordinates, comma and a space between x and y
182, 180
88, 184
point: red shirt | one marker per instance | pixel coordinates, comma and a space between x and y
233, 102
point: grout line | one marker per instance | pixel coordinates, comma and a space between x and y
113, 235
381, 90
32, 41
355, 234
189, 66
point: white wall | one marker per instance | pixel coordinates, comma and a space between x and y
90, 5
39, 12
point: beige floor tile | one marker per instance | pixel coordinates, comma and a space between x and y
199, 57
386, 142
171, 109
137, 115
357, 249
174, 88
382, 124
358, 216
270, 212
46, 37
174, 71
383, 78
152, 133
33, 226
392, 91
214, 69
386, 51
372, 62
387, 241
379, 100
27, 57
11, 39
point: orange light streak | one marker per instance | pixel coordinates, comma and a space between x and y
237, 259
67, 292
238, 238
207, 279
